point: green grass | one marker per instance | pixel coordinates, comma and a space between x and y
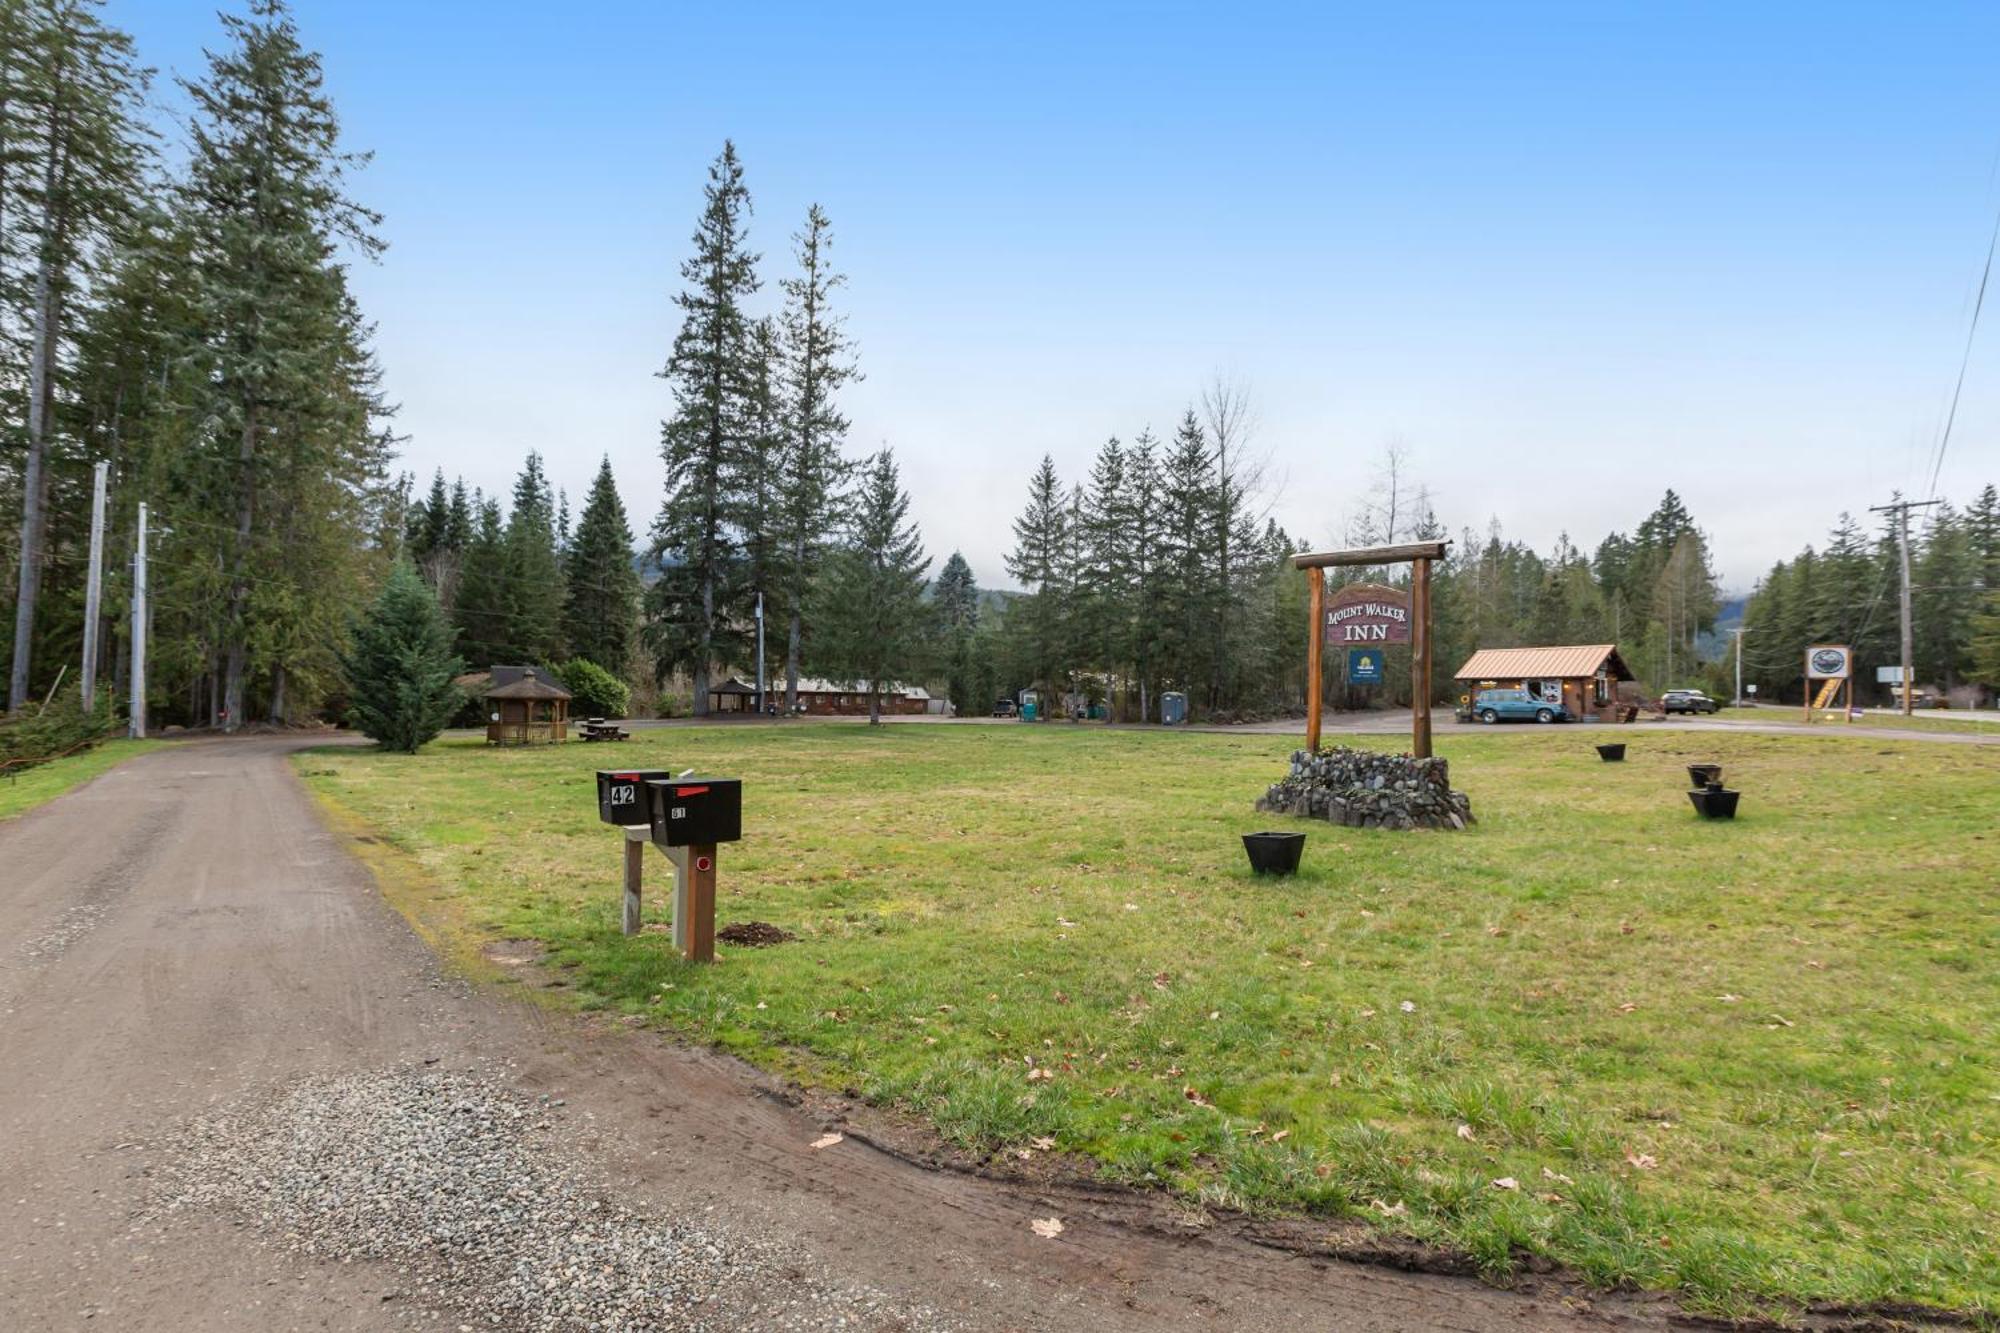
23, 791
1751, 1061
1986, 724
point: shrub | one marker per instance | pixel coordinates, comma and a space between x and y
36, 735
595, 692
400, 665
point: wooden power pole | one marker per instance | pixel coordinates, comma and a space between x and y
1901, 509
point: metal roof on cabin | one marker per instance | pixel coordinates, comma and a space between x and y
1567, 661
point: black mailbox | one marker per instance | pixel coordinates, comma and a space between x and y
621, 797
695, 812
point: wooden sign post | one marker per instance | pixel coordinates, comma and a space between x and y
1372, 614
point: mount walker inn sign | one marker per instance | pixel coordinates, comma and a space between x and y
1368, 613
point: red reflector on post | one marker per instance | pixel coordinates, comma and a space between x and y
703, 863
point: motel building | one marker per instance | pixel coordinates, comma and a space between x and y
1583, 678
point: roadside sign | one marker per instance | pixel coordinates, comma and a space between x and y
1368, 613
1889, 675
1364, 666
1829, 661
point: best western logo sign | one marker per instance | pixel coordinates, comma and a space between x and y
1368, 613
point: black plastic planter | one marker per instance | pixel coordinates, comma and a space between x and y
1704, 775
1715, 801
1612, 754
1274, 853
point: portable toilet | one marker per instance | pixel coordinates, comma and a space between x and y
1173, 708
1030, 702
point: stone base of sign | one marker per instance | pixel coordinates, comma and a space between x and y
1369, 789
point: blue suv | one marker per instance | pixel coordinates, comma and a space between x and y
1516, 706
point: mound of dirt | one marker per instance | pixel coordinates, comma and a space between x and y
752, 934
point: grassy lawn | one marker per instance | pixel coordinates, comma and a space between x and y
23, 791
1751, 1061
1986, 724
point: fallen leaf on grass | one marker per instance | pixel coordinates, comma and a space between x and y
827, 1141
1408, 1007
1547, 1174
1506, 1183
1281, 1136
1043, 1144
1465, 1132
1779, 1021
1195, 1097
1627, 1007
1730, 999
1642, 1161
1395, 1209
1048, 1228
1038, 1075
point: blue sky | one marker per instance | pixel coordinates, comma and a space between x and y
1566, 255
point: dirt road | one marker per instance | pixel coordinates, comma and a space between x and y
184, 937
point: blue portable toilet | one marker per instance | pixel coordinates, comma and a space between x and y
1173, 708
1030, 705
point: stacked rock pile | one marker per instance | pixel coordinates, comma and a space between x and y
1369, 789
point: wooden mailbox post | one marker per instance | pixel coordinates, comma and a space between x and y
1378, 616
685, 817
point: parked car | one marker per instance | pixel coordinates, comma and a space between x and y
1005, 708
1516, 706
1688, 701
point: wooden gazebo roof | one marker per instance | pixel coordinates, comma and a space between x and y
528, 687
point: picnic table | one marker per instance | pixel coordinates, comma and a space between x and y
597, 729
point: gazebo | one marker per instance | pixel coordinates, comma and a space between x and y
525, 706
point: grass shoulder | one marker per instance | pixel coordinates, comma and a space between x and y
22, 791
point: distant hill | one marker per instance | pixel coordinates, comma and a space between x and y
1715, 643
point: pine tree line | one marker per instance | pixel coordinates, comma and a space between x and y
1847, 591
523, 586
196, 332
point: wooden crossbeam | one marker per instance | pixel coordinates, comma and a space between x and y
1370, 555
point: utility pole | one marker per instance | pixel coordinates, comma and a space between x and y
1739, 632
1901, 509
760, 654
93, 593
137, 728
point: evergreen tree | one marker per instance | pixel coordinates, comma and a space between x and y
1189, 583
481, 610
760, 524
705, 444
291, 452
399, 667
818, 361
532, 589
955, 598
873, 621
600, 619
72, 159
1040, 563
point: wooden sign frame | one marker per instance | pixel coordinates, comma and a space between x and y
1418, 555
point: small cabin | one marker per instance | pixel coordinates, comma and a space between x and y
1583, 678
526, 706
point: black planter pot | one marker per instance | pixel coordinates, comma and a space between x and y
1704, 775
1612, 754
1715, 801
1274, 853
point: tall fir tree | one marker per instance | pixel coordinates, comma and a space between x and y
532, 592
292, 397
955, 599
1039, 561
73, 158
600, 618
818, 362
873, 620
480, 610
694, 613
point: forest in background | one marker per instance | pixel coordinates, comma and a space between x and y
180, 311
